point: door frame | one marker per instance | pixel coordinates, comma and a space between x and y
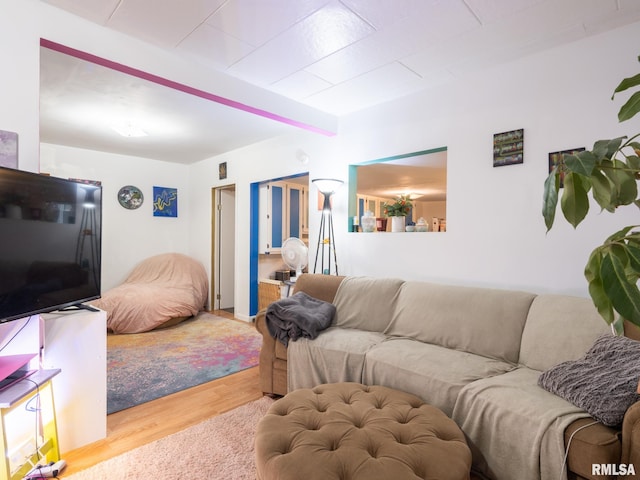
216, 250
254, 244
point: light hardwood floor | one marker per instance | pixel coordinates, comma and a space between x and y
150, 421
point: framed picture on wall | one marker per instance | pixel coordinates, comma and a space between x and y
222, 170
557, 159
165, 202
508, 148
8, 149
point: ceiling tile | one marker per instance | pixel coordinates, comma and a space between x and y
300, 85
401, 39
169, 22
541, 26
214, 47
97, 11
628, 12
383, 13
257, 21
489, 11
338, 56
378, 86
326, 31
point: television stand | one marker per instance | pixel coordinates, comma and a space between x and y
79, 306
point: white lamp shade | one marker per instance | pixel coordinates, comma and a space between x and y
327, 185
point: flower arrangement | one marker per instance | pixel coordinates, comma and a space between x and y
399, 208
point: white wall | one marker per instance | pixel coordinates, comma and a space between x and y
495, 231
495, 237
20, 80
128, 236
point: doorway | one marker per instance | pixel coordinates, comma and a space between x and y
223, 242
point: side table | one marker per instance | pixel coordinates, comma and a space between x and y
28, 423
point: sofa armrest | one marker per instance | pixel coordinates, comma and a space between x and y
273, 354
261, 322
631, 436
272, 378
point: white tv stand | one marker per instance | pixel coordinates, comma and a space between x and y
76, 342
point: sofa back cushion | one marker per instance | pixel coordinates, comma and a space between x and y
366, 303
559, 328
483, 321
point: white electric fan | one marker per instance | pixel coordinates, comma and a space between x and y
294, 253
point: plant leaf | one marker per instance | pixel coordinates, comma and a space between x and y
633, 253
619, 235
626, 188
550, 198
574, 202
600, 149
596, 289
624, 295
630, 108
633, 238
634, 162
607, 148
627, 83
618, 326
602, 190
582, 162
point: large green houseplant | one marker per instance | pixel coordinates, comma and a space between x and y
609, 173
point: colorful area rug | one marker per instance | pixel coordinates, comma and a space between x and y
144, 366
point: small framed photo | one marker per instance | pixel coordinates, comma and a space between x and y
222, 170
508, 148
557, 159
8, 149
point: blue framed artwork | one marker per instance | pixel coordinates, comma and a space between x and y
165, 202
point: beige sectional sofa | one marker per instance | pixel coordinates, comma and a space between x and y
475, 353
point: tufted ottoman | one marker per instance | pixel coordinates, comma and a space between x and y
349, 431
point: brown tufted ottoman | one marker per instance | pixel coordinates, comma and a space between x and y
349, 431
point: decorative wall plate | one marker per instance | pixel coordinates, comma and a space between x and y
130, 197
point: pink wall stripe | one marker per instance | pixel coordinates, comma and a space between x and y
179, 86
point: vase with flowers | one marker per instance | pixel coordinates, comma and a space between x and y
398, 210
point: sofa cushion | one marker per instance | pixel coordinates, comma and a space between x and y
366, 303
431, 372
337, 355
483, 321
604, 381
559, 328
518, 426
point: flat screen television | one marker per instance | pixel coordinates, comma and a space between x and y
50, 243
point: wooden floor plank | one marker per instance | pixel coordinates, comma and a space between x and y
142, 424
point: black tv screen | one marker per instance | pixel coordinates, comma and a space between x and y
50, 243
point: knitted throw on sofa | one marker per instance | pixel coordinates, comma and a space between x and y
604, 382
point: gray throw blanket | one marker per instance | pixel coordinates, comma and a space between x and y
299, 315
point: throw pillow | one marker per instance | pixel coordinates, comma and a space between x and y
603, 383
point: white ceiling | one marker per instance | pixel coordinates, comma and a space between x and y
338, 56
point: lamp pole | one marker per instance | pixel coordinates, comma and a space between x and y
326, 239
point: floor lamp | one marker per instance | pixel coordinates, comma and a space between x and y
326, 251
88, 228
